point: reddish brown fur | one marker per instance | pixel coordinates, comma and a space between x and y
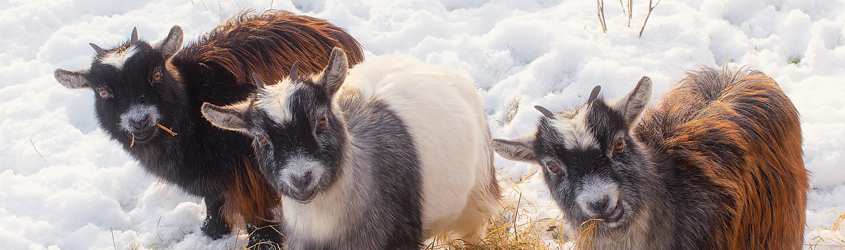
250, 199
739, 131
284, 36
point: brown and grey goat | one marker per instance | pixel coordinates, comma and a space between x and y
717, 165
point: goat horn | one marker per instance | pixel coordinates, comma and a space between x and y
100, 51
134, 37
293, 71
594, 94
258, 82
545, 111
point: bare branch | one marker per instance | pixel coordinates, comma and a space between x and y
623, 7
600, 13
630, 10
36, 150
650, 8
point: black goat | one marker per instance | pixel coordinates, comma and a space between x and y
148, 98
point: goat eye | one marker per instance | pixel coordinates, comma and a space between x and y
553, 166
262, 140
156, 76
618, 146
322, 122
104, 93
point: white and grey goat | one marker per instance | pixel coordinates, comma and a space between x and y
385, 157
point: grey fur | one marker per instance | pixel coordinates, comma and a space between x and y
637, 100
381, 162
139, 116
521, 149
73, 79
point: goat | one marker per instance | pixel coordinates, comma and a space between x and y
717, 165
394, 153
140, 88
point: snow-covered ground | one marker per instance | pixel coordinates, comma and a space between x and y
64, 185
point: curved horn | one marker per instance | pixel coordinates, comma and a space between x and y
134, 37
293, 71
594, 94
258, 82
545, 111
100, 51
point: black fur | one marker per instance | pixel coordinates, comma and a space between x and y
201, 159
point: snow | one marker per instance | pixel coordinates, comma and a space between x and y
64, 185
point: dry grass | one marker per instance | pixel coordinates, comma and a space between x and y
512, 231
513, 107
519, 227
516, 229
829, 238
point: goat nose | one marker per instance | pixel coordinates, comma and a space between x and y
600, 206
141, 123
302, 181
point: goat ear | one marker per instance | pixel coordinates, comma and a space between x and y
72, 79
229, 117
335, 73
633, 104
520, 149
172, 43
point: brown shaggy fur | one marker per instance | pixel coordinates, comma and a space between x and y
741, 133
234, 43
251, 199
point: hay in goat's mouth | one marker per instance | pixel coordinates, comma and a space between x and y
587, 234
166, 129
162, 127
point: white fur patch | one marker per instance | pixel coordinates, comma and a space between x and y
275, 100
444, 114
138, 112
574, 130
594, 189
117, 59
324, 218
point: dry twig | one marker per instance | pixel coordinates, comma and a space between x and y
630, 10
166, 129
600, 6
650, 8
36, 150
